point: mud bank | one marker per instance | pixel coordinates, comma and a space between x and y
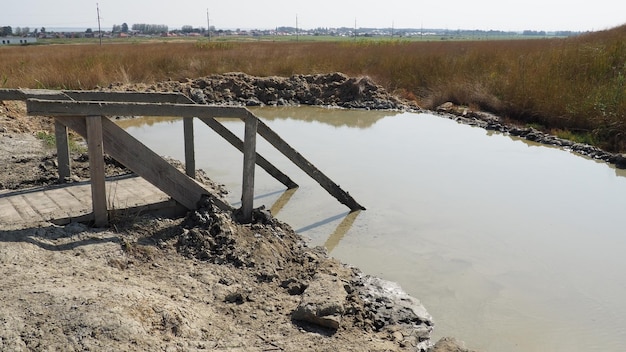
204, 282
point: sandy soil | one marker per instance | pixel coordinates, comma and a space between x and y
204, 282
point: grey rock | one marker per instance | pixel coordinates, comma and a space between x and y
322, 302
390, 307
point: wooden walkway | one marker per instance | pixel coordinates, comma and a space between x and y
62, 204
86, 113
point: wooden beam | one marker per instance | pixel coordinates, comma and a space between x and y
96, 170
63, 151
11, 94
249, 154
92, 95
105, 108
137, 97
190, 157
238, 143
331, 187
147, 164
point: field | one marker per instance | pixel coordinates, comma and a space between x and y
573, 87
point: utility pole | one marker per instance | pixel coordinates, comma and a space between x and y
99, 28
208, 23
297, 35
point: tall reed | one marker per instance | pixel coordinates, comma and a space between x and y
576, 84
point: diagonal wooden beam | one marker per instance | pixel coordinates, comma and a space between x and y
238, 143
331, 187
146, 163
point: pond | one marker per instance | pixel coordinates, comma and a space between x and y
510, 245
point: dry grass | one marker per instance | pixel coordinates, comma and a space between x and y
576, 84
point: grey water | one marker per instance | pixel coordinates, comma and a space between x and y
510, 245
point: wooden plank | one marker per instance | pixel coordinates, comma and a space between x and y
238, 143
331, 187
23, 207
23, 94
249, 154
147, 164
92, 95
86, 108
96, 169
63, 151
12, 94
190, 157
138, 97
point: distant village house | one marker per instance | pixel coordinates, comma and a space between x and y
17, 40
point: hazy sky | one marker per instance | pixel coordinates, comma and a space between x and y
576, 15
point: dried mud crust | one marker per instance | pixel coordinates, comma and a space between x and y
199, 283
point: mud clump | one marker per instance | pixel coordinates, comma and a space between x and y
240, 89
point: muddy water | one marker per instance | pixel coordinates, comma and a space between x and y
511, 246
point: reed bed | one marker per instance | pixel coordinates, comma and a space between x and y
575, 87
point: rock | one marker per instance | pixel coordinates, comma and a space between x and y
322, 302
620, 161
392, 308
449, 344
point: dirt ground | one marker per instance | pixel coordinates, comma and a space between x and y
203, 282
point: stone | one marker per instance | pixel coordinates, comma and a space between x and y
322, 302
449, 344
620, 161
391, 308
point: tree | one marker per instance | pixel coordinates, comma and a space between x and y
42, 30
124, 27
6, 31
89, 30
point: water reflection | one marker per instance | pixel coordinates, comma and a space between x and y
280, 203
146, 121
329, 116
341, 230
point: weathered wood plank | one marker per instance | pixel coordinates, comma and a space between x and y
12, 94
190, 156
92, 95
331, 187
249, 162
137, 97
63, 151
86, 108
96, 169
23, 94
146, 163
238, 143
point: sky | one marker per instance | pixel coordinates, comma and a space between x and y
548, 15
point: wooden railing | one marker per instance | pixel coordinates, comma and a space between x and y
86, 111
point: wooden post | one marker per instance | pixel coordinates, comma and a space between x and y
249, 155
63, 151
190, 158
96, 170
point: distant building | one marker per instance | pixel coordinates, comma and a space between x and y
17, 40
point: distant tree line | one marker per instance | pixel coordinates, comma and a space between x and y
6, 31
123, 28
150, 28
